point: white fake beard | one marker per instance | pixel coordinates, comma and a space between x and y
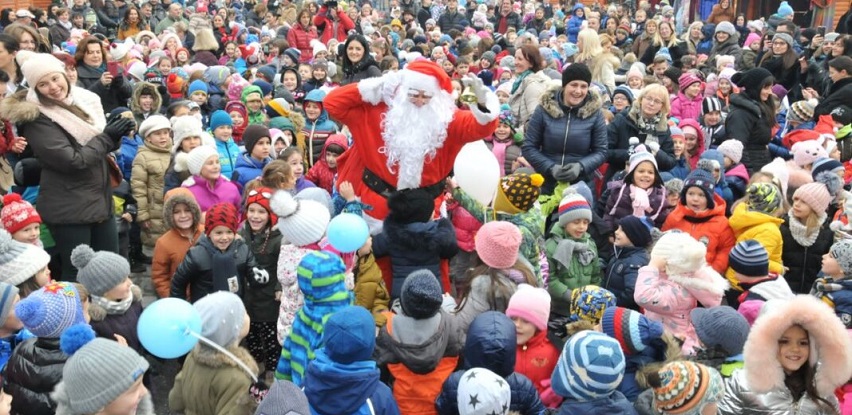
413, 135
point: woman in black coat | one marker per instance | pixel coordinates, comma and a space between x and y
92, 74
357, 62
840, 91
752, 116
783, 62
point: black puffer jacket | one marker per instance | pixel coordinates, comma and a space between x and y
839, 93
31, 374
260, 298
803, 263
619, 132
746, 123
491, 344
196, 270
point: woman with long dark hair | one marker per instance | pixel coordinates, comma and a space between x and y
131, 24
8, 49
752, 116
782, 61
93, 75
69, 134
7, 17
358, 64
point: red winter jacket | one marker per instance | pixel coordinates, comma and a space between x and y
325, 25
300, 38
321, 174
465, 225
536, 360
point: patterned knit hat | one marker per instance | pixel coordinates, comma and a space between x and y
763, 197
573, 206
589, 302
420, 296
17, 213
711, 104
482, 392
732, 149
284, 397
18, 261
99, 271
349, 335
815, 195
261, 196
686, 387
801, 111
222, 317
518, 192
640, 154
720, 326
749, 258
497, 244
688, 78
531, 304
301, 222
842, 252
221, 214
50, 310
321, 278
633, 331
703, 180
590, 366
825, 164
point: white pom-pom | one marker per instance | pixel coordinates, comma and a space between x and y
282, 204
569, 191
81, 255
633, 141
23, 56
6, 241
181, 162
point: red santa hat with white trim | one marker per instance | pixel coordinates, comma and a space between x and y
425, 75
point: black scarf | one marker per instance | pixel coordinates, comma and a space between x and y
224, 268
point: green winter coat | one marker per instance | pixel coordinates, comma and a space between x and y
563, 280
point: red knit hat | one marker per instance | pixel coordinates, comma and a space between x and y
497, 244
220, 214
261, 196
17, 213
421, 73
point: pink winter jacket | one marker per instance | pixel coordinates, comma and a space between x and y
683, 107
465, 225
670, 299
222, 192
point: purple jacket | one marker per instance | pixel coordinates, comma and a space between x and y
620, 204
223, 192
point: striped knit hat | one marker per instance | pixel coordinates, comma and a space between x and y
590, 366
572, 207
631, 329
749, 258
686, 387
801, 111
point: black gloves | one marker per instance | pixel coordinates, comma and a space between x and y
118, 127
567, 173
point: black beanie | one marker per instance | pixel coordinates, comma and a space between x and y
751, 78
409, 206
576, 72
637, 230
252, 135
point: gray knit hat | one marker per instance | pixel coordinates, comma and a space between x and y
100, 271
420, 296
785, 37
842, 252
19, 261
222, 317
726, 27
720, 326
96, 374
284, 398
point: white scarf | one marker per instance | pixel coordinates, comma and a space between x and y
800, 232
87, 101
113, 307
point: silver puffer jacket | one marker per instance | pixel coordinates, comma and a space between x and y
740, 400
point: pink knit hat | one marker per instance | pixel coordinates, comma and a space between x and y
687, 79
751, 38
531, 304
815, 195
497, 244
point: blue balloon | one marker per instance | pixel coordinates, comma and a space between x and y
165, 325
347, 232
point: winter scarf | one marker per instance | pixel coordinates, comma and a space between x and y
566, 248
224, 269
113, 307
88, 102
520, 79
799, 230
648, 126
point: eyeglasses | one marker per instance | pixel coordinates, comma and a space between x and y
655, 101
619, 98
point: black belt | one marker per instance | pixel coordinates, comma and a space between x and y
376, 184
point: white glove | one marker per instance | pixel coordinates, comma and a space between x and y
261, 276
476, 85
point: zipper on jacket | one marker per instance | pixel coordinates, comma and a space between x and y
565, 140
804, 264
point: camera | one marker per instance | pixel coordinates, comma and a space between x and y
331, 4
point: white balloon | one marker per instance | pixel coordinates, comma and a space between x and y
477, 172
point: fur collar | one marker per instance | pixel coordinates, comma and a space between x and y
550, 103
98, 313
210, 357
830, 346
17, 109
704, 279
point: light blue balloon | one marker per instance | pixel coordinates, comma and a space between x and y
347, 232
165, 325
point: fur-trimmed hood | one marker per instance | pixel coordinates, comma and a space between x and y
17, 109
173, 200
145, 88
551, 103
830, 346
98, 313
211, 357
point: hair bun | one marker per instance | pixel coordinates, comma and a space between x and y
81, 255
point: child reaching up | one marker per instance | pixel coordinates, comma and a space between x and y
370, 290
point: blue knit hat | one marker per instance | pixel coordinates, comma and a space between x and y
220, 118
749, 258
703, 180
824, 164
197, 86
265, 87
633, 331
784, 9
589, 302
50, 310
591, 366
349, 335
624, 90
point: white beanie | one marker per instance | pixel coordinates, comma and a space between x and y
683, 254
318, 47
35, 66
19, 261
153, 123
301, 222
733, 149
183, 127
194, 161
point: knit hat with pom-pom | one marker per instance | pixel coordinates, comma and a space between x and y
686, 388
18, 261
825, 164
97, 373
301, 222
99, 271
683, 254
50, 310
633, 331
518, 192
573, 206
17, 213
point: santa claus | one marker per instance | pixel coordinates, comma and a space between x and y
407, 131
